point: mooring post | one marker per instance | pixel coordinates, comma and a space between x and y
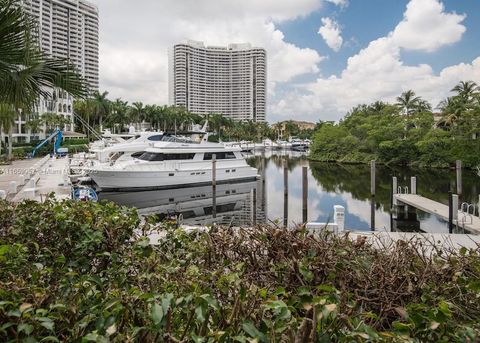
285, 193
394, 191
413, 185
264, 191
458, 168
372, 213
305, 194
455, 202
254, 206
214, 186
450, 212
372, 177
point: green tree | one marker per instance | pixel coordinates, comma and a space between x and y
101, 106
409, 103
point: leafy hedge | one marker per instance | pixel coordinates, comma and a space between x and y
82, 271
368, 133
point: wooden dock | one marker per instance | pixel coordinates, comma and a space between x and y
465, 221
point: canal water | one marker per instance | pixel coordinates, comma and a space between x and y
328, 185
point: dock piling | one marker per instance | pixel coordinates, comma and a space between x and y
450, 212
413, 185
285, 194
304, 194
455, 200
214, 186
372, 177
458, 168
394, 191
254, 206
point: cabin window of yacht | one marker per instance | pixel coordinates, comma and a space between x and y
156, 138
137, 154
153, 156
218, 155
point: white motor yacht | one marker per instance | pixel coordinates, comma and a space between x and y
269, 144
172, 165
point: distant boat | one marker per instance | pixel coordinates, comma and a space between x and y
269, 144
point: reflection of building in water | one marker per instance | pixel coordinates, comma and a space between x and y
193, 205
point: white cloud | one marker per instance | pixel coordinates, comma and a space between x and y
135, 39
341, 3
331, 33
377, 72
426, 26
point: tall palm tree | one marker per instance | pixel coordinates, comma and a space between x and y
137, 113
34, 125
408, 101
7, 120
101, 106
466, 89
119, 112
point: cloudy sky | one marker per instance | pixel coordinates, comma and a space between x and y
324, 56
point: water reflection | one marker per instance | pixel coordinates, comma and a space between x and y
193, 205
328, 185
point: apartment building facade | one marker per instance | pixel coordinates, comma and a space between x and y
228, 80
65, 29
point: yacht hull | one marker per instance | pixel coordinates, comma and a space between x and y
123, 180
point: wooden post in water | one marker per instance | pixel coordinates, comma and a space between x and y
285, 193
305, 194
372, 178
413, 185
264, 190
450, 212
458, 168
214, 186
372, 193
254, 206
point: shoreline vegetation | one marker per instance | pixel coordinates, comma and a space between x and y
406, 133
85, 272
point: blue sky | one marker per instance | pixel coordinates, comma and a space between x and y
366, 50
365, 20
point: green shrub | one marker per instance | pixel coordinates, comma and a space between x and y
82, 271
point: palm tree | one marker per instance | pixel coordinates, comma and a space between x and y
101, 106
408, 101
7, 120
466, 89
26, 73
34, 125
119, 114
137, 113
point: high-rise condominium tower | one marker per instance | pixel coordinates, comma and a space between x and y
227, 80
69, 29
65, 29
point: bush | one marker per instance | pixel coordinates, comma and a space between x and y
82, 271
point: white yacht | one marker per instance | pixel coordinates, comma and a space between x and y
269, 144
174, 164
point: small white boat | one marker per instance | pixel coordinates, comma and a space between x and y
271, 145
172, 165
284, 145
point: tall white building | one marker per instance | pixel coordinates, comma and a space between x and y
69, 29
227, 80
66, 29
